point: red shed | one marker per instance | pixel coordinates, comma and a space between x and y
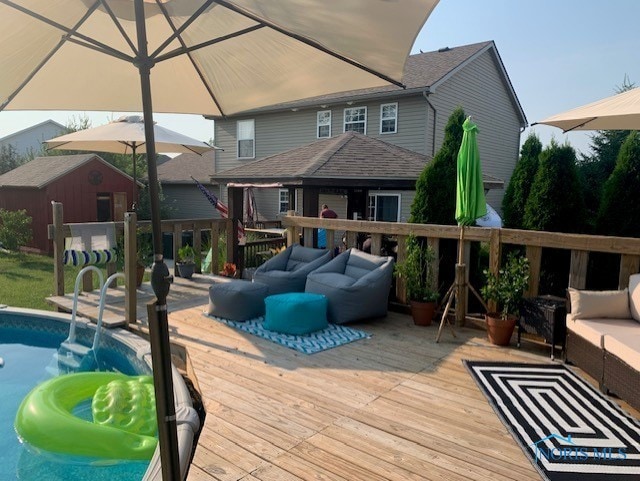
90, 189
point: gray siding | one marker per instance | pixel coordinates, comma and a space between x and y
188, 202
29, 141
479, 87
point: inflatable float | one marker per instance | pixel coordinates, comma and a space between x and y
124, 418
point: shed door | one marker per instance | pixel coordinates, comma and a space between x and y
104, 207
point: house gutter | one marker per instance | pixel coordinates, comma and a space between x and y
425, 93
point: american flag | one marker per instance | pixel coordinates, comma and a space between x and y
220, 207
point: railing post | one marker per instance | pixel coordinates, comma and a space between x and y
291, 230
130, 267
352, 239
495, 254
331, 239
214, 268
58, 249
434, 244
628, 265
578, 270
534, 254
232, 240
401, 284
376, 244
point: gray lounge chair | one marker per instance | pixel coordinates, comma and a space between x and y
287, 272
357, 285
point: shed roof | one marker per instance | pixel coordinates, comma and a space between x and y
41, 171
346, 160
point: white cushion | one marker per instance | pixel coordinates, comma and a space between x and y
595, 330
600, 304
634, 296
625, 345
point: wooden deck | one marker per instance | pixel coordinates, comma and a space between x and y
396, 406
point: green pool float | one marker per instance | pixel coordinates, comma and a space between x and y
124, 418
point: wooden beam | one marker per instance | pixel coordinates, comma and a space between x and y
58, 249
130, 266
534, 254
578, 269
401, 285
629, 265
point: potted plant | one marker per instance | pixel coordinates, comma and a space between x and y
186, 261
229, 270
506, 290
418, 276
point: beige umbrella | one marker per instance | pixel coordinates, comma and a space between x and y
214, 57
126, 136
619, 112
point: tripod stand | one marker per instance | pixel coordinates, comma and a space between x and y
456, 290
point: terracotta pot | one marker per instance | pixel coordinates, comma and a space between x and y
499, 330
422, 312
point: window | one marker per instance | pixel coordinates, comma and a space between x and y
284, 201
324, 124
355, 119
246, 139
389, 118
384, 207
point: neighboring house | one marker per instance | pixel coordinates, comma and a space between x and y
181, 192
28, 142
89, 188
470, 76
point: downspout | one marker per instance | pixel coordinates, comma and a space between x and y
425, 93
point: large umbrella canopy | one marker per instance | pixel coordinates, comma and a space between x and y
470, 201
126, 136
618, 112
214, 57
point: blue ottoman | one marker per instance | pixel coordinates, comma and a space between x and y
295, 313
237, 300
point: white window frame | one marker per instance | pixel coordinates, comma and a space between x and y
372, 206
394, 118
344, 119
281, 202
253, 138
318, 124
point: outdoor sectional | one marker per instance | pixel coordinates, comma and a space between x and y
603, 338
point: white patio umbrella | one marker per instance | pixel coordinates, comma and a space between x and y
214, 57
126, 136
618, 112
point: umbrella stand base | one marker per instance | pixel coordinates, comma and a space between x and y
452, 294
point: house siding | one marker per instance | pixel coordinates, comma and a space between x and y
28, 142
479, 87
187, 202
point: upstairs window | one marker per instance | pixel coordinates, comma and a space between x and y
246, 139
389, 118
324, 124
355, 118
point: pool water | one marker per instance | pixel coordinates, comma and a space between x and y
28, 360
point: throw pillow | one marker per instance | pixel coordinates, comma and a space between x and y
634, 296
599, 304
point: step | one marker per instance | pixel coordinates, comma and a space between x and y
74, 347
68, 363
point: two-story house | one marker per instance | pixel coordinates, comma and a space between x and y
470, 76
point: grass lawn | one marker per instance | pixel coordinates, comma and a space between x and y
27, 279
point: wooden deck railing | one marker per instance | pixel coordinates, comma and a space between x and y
533, 241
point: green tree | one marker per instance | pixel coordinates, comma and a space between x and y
515, 198
619, 212
9, 158
144, 205
435, 199
15, 228
555, 202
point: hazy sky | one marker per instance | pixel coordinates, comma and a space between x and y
559, 54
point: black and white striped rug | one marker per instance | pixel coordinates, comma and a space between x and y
566, 428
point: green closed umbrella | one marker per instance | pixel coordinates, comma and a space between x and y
470, 205
470, 201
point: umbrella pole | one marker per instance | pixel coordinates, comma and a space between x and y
160, 279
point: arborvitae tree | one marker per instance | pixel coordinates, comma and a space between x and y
555, 202
619, 213
435, 200
515, 198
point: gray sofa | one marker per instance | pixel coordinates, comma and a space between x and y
287, 271
356, 284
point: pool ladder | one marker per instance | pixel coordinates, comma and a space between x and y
73, 356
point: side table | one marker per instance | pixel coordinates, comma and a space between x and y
544, 316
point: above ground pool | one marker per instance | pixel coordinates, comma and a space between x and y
29, 342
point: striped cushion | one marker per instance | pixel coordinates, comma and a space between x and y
85, 258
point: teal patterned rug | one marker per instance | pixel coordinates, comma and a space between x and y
333, 336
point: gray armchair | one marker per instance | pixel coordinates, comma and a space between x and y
356, 284
287, 272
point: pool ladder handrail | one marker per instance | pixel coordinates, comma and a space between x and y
76, 292
103, 295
